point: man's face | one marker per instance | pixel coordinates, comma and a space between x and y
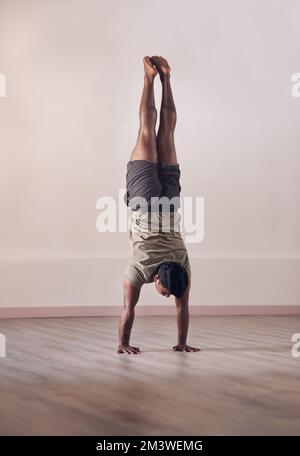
160, 289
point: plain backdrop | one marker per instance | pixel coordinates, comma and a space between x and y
74, 78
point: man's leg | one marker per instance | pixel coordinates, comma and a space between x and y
145, 148
165, 136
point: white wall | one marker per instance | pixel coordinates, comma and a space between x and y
70, 118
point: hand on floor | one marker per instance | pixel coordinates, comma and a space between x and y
128, 349
184, 347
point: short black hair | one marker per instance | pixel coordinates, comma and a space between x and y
174, 277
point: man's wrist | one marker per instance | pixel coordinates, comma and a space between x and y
122, 344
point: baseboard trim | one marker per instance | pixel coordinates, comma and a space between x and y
144, 310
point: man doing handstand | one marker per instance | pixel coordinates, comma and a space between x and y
153, 173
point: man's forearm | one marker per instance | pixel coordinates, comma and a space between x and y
125, 326
182, 323
131, 297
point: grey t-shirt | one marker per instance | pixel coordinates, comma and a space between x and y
150, 246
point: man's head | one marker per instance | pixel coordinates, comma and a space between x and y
171, 279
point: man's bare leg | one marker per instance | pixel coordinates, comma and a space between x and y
145, 148
165, 137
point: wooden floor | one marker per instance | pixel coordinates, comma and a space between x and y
62, 376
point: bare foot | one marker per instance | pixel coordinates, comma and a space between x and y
185, 347
150, 70
162, 65
128, 349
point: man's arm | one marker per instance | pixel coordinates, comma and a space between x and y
182, 310
131, 297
